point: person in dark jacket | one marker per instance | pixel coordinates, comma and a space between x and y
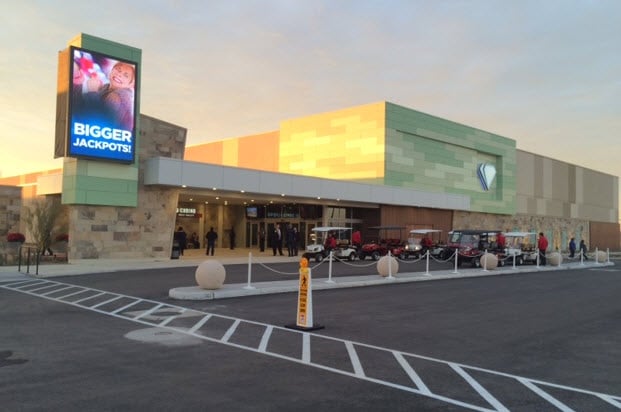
182, 239
572, 247
583, 250
211, 237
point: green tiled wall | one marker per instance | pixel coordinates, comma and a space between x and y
433, 154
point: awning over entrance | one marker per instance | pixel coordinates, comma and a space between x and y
238, 183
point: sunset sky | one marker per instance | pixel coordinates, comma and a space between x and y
546, 73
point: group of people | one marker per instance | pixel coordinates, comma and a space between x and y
182, 241
582, 249
290, 238
542, 245
212, 236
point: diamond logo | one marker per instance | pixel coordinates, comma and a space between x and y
487, 174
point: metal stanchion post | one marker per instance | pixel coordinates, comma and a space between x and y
596, 257
249, 286
607, 255
389, 260
330, 269
456, 257
484, 263
427, 253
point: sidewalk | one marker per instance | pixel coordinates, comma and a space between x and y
241, 256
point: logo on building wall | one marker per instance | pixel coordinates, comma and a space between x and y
487, 174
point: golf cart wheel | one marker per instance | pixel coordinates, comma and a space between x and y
476, 263
318, 257
375, 255
352, 256
519, 260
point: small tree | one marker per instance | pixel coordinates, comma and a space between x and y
40, 218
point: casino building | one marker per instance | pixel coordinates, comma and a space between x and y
378, 164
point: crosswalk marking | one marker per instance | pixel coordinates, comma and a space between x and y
149, 308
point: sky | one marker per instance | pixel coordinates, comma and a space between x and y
546, 73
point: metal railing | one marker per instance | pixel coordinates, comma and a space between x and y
32, 257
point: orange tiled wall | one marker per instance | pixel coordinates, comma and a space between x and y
259, 152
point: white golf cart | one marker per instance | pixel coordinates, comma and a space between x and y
523, 245
415, 248
317, 249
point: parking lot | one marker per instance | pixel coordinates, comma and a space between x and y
525, 341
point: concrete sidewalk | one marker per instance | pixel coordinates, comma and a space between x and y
287, 286
242, 256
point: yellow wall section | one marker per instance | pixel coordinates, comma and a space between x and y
345, 144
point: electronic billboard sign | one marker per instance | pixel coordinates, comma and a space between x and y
102, 107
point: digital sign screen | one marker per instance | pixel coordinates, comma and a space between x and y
252, 212
102, 107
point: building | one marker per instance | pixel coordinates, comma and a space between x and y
364, 166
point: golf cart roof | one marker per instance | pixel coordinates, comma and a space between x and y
475, 232
519, 234
424, 231
329, 228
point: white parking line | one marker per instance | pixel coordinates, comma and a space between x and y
143, 317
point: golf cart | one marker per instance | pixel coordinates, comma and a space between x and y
472, 244
523, 245
415, 247
319, 250
379, 248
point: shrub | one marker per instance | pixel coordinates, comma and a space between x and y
16, 237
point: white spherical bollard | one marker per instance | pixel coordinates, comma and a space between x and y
555, 259
489, 261
382, 265
600, 256
210, 275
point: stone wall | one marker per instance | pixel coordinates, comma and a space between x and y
10, 212
126, 232
557, 230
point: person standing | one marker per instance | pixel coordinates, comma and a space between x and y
182, 239
583, 250
211, 237
501, 241
289, 240
542, 245
356, 240
262, 239
277, 240
232, 238
295, 241
572, 247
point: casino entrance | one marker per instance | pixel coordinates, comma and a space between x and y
253, 222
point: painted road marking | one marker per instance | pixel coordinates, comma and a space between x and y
148, 312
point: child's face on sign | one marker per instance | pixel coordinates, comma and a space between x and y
121, 75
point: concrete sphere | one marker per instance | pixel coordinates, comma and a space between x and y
555, 259
489, 261
210, 275
382, 265
600, 256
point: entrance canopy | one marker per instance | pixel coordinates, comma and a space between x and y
219, 184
